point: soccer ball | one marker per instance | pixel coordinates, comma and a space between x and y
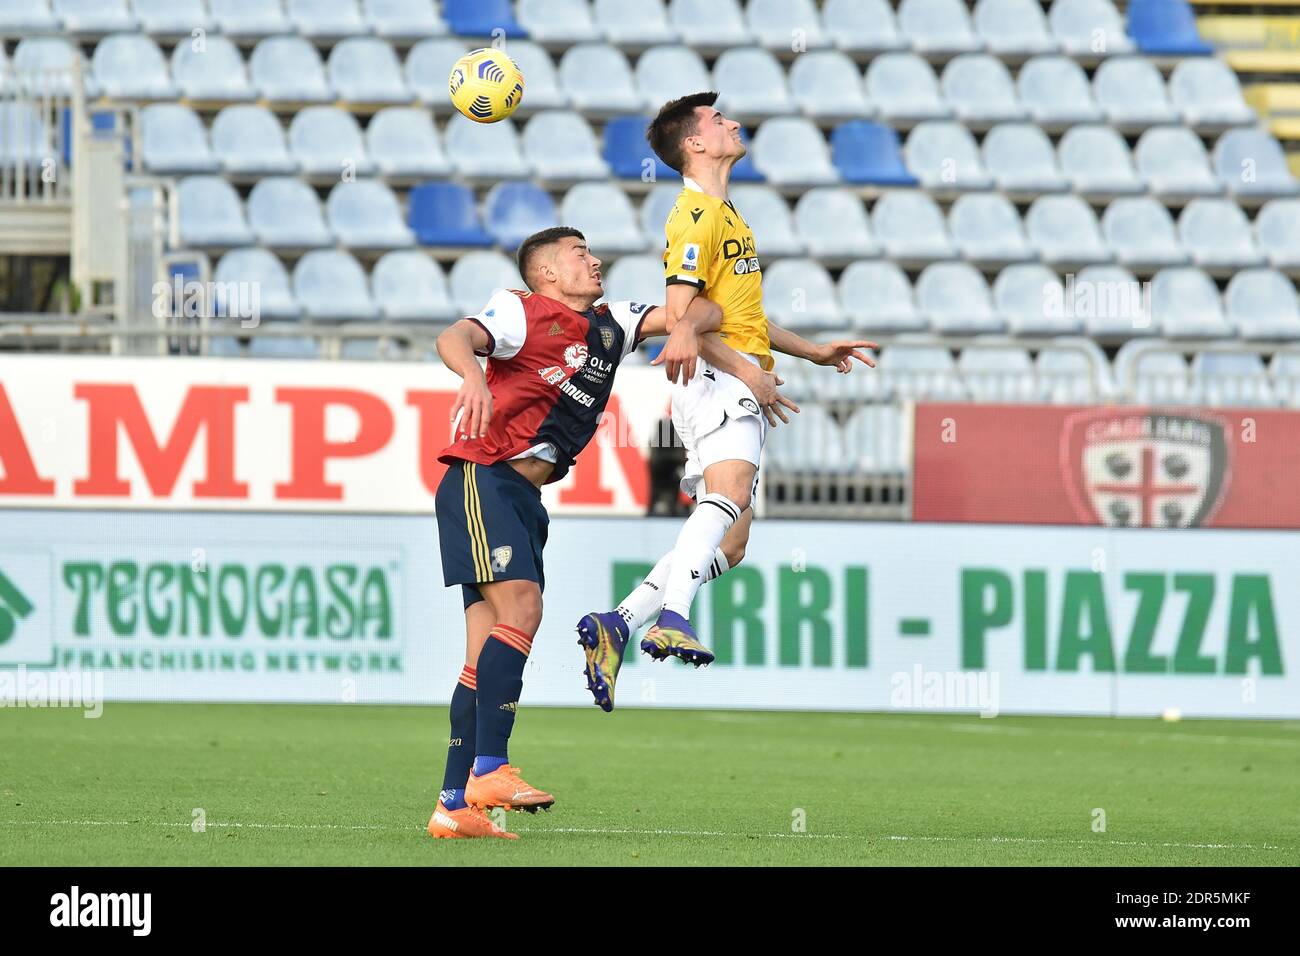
486, 85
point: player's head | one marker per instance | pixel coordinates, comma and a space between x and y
557, 263
691, 131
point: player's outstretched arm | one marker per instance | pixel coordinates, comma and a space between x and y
685, 316
840, 355
459, 348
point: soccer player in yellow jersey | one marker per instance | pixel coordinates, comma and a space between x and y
725, 392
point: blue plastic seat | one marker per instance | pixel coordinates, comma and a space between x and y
479, 18
1166, 27
866, 152
514, 211
444, 214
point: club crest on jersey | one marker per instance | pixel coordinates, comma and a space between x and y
691, 257
501, 557
607, 338
575, 356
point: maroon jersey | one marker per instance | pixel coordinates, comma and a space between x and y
550, 371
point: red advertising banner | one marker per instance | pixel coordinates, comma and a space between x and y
1121, 466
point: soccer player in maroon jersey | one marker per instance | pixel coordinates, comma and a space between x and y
551, 356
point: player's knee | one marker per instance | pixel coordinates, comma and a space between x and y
516, 603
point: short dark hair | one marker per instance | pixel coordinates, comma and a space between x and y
675, 122
538, 241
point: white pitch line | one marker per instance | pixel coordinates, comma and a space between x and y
598, 831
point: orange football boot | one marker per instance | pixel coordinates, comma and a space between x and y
464, 823
503, 787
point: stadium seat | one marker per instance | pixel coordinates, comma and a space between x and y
816, 446
751, 84
1186, 304
404, 143
173, 141
513, 211
1131, 91
1096, 160
210, 213
19, 17
713, 24
998, 373
403, 19
561, 147
365, 214
790, 151
408, 286
1173, 162
1076, 23
215, 73
267, 344
769, 217
1262, 304
826, 84
1141, 233
289, 70
365, 70
171, 17
248, 139
331, 286
43, 65
249, 19
1217, 234
862, 26
1068, 376
873, 439
129, 66
654, 211
634, 22
615, 92
1064, 231
903, 87
937, 27
980, 90
987, 230
664, 73
776, 23
1031, 298
944, 157
1232, 379
263, 271
284, 213
866, 152
427, 66
325, 19
541, 78
1056, 92
1013, 28
910, 227
476, 274
878, 298
921, 372
445, 214
1111, 303
1166, 28
327, 142
1156, 377
627, 152
25, 137
1284, 373
557, 21
484, 151
635, 278
1020, 158
1250, 162
832, 223
604, 214
1277, 230
1208, 95
96, 17
799, 294
482, 18
956, 299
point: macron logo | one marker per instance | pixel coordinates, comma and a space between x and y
102, 909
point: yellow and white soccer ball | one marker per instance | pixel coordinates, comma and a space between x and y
486, 85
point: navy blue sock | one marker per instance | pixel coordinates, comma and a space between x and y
500, 679
460, 749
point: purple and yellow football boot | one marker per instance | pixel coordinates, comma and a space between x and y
603, 637
673, 636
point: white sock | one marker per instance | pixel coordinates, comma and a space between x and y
697, 546
648, 597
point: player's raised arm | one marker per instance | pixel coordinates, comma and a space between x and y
682, 350
459, 348
840, 355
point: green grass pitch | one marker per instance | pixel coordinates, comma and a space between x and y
289, 784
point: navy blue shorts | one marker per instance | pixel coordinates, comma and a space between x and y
491, 527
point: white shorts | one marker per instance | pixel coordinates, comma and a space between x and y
717, 418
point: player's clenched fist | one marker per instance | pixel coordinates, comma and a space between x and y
474, 407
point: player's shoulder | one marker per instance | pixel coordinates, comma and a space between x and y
690, 212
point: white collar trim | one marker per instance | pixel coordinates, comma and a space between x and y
691, 184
